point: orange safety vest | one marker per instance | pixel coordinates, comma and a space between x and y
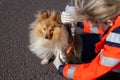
88, 28
108, 59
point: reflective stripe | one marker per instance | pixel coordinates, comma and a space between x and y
107, 61
71, 71
113, 37
112, 44
89, 28
116, 70
93, 29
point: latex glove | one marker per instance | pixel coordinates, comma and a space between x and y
66, 17
59, 60
69, 15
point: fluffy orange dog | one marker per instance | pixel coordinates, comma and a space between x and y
48, 35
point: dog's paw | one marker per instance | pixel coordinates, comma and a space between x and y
44, 61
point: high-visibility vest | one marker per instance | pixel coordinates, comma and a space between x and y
89, 28
108, 58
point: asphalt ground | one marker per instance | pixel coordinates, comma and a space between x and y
16, 61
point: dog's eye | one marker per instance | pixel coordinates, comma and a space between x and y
51, 29
44, 29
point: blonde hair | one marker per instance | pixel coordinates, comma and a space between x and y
98, 10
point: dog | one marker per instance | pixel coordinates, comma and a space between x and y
48, 35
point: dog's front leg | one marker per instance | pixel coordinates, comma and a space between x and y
46, 60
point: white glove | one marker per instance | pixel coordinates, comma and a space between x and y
59, 60
66, 17
69, 15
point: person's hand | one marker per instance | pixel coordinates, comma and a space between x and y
69, 15
59, 60
66, 17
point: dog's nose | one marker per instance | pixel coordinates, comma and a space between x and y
46, 37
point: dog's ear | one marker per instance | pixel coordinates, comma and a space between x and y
43, 15
55, 16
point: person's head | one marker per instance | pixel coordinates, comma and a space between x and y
99, 11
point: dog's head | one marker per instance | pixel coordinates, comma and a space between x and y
48, 24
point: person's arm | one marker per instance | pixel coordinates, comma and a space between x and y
89, 71
108, 59
89, 28
86, 25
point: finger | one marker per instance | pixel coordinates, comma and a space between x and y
65, 13
62, 56
67, 21
67, 17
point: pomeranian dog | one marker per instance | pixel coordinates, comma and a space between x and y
48, 35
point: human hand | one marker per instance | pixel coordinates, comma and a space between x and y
69, 15
59, 60
66, 17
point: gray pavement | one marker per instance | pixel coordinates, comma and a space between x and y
16, 61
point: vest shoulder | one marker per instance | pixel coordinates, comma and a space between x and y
117, 30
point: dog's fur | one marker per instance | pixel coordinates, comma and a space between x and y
48, 35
